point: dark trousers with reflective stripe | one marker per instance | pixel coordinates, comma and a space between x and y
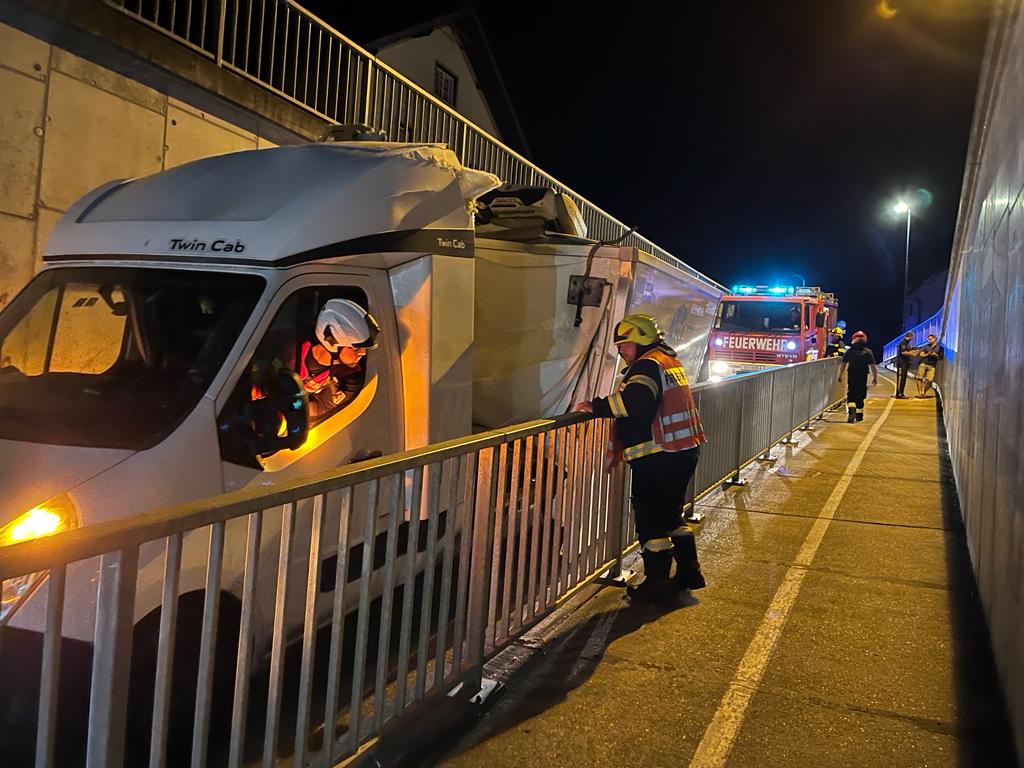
902, 369
659, 484
856, 392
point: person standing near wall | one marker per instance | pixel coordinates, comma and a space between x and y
930, 354
859, 359
658, 432
905, 355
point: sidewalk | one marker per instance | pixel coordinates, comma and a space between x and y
840, 627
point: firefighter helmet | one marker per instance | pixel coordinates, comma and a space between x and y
641, 329
343, 323
839, 331
859, 336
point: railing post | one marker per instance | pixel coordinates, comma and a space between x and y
369, 91
108, 698
767, 455
616, 516
49, 679
824, 389
690, 513
480, 559
220, 31
625, 510
734, 480
789, 439
464, 149
808, 411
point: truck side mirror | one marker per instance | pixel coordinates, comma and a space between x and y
820, 321
280, 418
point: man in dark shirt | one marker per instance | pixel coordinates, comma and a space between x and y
905, 355
858, 358
930, 354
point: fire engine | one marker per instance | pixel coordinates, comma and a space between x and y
760, 326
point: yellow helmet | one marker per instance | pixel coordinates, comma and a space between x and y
641, 329
837, 331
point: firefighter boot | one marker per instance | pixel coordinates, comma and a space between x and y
655, 587
851, 414
684, 552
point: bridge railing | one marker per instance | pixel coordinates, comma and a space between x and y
930, 327
360, 597
284, 48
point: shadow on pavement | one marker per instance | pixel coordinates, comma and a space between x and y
565, 663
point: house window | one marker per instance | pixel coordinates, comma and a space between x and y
445, 85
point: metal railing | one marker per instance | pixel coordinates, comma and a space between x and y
930, 327
284, 48
358, 598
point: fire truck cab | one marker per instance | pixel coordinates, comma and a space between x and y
760, 326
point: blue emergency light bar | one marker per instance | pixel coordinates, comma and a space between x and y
764, 290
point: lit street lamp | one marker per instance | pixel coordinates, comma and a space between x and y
902, 207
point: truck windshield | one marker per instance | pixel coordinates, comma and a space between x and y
760, 316
115, 357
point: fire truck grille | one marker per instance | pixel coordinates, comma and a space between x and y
747, 355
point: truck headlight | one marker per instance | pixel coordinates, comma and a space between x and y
57, 514
719, 367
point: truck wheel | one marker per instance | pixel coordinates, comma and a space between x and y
184, 681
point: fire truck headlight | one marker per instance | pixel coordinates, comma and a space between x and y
719, 367
719, 342
791, 345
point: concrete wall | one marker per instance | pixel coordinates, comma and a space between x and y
415, 58
983, 379
68, 125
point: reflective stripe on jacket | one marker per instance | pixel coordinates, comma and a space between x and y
676, 425
313, 382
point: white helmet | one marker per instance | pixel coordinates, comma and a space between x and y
343, 323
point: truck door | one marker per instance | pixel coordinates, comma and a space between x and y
366, 420
358, 415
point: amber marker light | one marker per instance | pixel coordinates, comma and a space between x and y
34, 524
56, 515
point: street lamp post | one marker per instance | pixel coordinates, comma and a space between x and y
902, 207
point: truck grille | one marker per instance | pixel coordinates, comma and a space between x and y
746, 355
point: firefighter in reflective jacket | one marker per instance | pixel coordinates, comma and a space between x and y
658, 432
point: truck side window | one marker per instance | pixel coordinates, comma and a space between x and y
332, 381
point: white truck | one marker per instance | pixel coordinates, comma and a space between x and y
132, 367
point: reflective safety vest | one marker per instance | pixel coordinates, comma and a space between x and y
313, 382
676, 425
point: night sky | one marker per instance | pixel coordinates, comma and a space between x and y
758, 141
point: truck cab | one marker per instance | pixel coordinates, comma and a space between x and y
761, 326
162, 355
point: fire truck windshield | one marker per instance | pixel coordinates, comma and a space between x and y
760, 316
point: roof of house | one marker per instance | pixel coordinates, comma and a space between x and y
466, 24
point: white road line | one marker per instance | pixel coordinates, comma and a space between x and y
721, 733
